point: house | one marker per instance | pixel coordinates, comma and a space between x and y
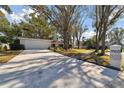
31, 43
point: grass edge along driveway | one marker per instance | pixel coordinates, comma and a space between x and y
85, 55
5, 56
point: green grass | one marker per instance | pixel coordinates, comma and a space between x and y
82, 50
7, 55
86, 55
123, 50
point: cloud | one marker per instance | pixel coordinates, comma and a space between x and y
22, 14
16, 17
88, 34
28, 11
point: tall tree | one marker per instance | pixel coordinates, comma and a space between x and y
61, 17
4, 23
15, 30
36, 26
78, 25
78, 34
3, 20
105, 17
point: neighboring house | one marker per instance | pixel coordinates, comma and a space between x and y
31, 43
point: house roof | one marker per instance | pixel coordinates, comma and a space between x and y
21, 38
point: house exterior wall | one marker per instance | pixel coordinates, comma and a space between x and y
35, 43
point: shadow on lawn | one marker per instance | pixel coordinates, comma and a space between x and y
53, 71
94, 58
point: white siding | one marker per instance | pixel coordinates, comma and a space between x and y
35, 43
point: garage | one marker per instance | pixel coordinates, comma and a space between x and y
31, 43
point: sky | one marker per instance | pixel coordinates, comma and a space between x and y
20, 10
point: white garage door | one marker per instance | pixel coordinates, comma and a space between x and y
35, 43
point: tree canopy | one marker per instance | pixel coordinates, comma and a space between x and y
67, 22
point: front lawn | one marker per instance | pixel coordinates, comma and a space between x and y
7, 55
85, 55
123, 50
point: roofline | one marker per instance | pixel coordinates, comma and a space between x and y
34, 39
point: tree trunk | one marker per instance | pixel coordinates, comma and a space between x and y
73, 42
97, 46
78, 44
66, 40
103, 38
103, 44
97, 43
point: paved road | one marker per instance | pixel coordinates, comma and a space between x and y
43, 69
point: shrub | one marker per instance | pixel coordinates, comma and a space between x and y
70, 46
90, 43
61, 45
17, 47
49, 48
17, 41
3, 39
53, 45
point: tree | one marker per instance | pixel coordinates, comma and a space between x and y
90, 43
61, 17
78, 34
105, 17
27, 29
3, 20
7, 8
42, 26
78, 27
116, 36
36, 26
4, 23
15, 30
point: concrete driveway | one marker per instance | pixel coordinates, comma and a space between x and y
44, 68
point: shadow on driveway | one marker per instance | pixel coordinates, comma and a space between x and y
49, 69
